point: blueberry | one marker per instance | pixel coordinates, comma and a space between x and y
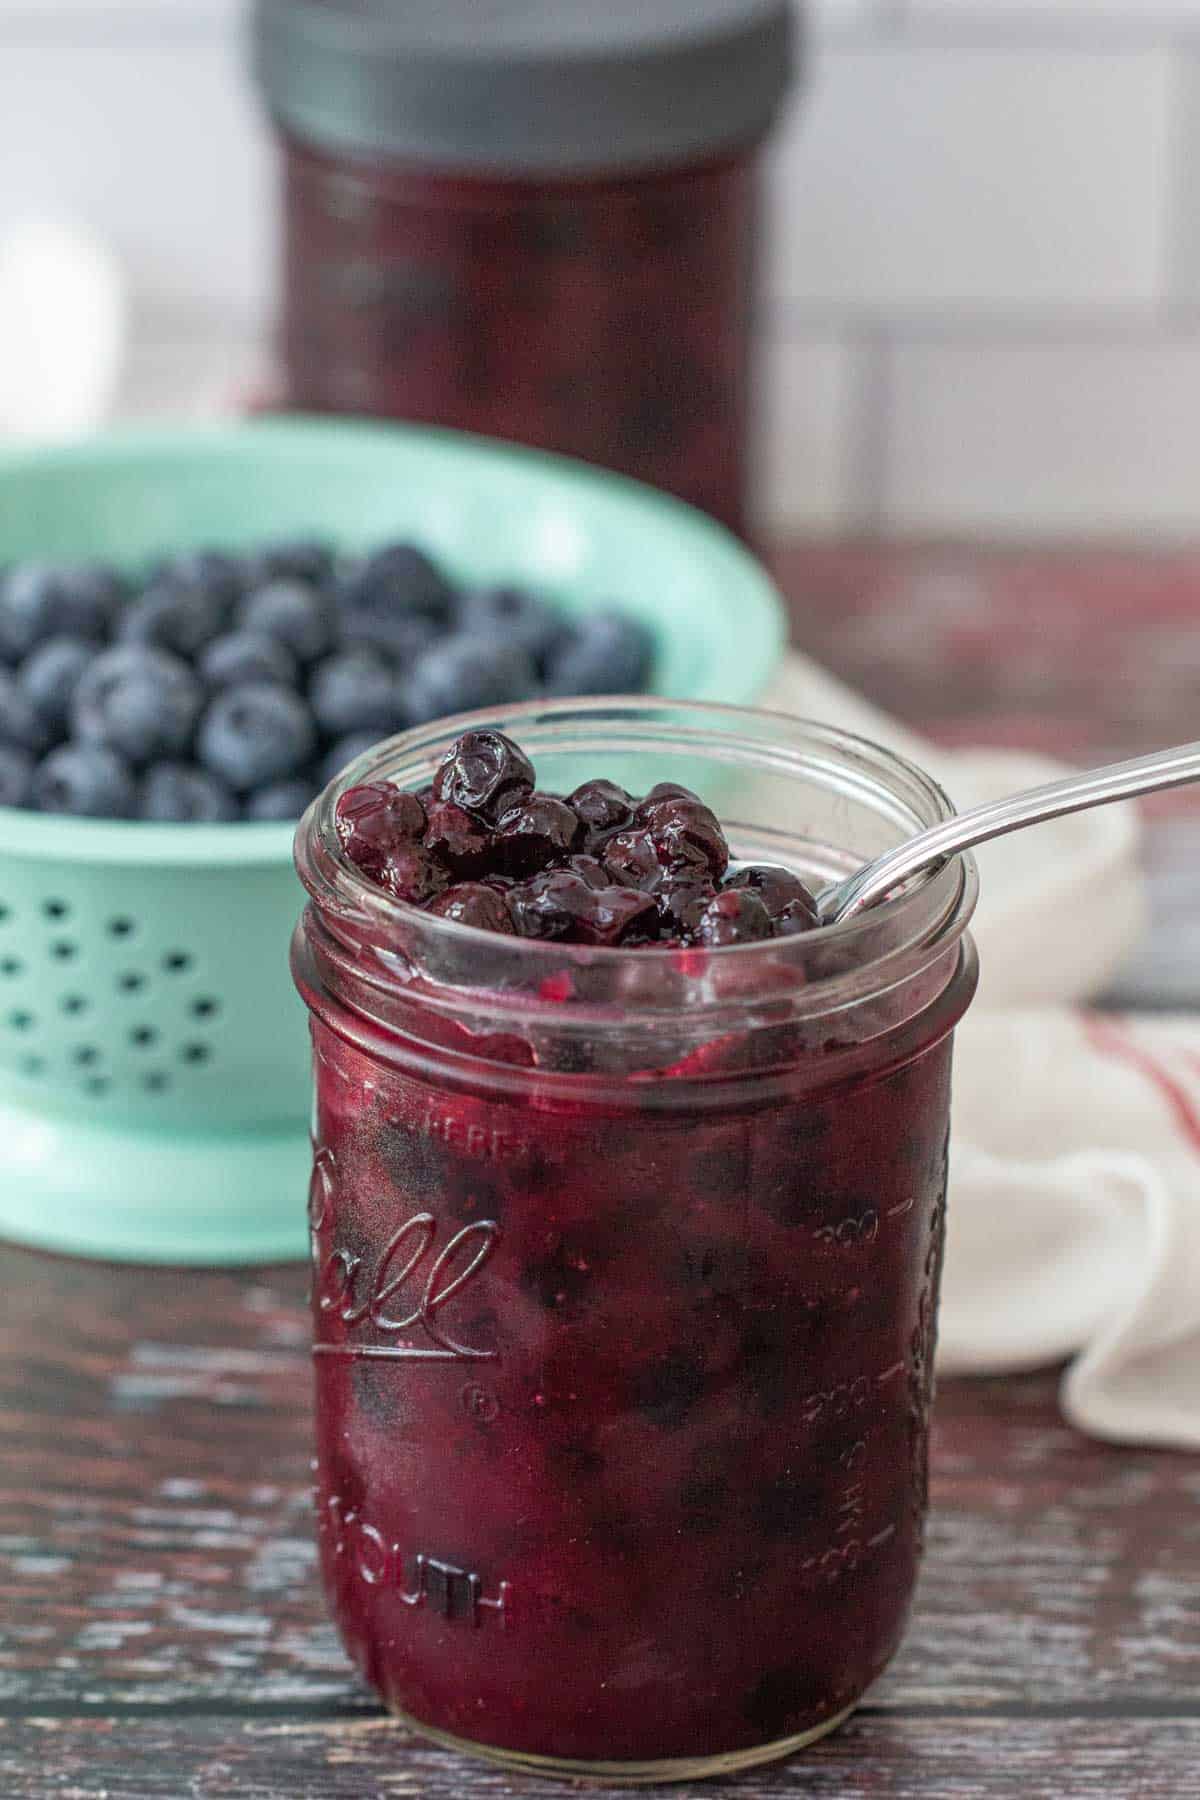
538, 830
179, 793
173, 616
295, 613
88, 780
470, 903
788, 902
20, 722
735, 916
242, 656
255, 734
50, 675
281, 802
602, 807
561, 904
140, 701
292, 559
401, 637
394, 582
43, 600
214, 571
603, 653
511, 615
458, 838
463, 673
340, 755
485, 772
373, 819
356, 690
16, 775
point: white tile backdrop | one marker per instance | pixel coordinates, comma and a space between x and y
983, 305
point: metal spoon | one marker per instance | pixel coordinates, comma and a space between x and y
1119, 781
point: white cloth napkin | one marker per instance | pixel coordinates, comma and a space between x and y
1074, 1220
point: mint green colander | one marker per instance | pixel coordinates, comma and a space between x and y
154, 1075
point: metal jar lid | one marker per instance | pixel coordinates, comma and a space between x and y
525, 86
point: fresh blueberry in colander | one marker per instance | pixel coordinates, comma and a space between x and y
179, 793
16, 775
463, 673
139, 701
401, 637
256, 734
20, 722
50, 675
174, 616
397, 579
291, 559
214, 571
340, 755
280, 801
511, 615
295, 613
356, 690
43, 600
88, 780
604, 653
242, 656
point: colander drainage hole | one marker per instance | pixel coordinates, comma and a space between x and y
96, 1084
205, 1007
177, 962
85, 1055
120, 927
56, 909
195, 1053
33, 1065
20, 1021
73, 1004
156, 1082
143, 1036
11, 965
5, 913
131, 983
64, 950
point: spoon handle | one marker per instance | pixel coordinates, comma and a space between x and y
1094, 787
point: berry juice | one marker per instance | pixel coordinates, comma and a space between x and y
625, 1271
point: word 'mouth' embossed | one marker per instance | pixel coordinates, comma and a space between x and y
407, 1293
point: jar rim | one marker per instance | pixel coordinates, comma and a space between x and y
930, 912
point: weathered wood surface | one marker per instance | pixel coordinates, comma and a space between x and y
876, 1756
161, 1629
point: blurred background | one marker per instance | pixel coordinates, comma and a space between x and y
982, 285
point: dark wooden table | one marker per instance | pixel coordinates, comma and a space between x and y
161, 1630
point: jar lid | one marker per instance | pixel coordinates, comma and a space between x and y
525, 85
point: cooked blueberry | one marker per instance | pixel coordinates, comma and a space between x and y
280, 801
686, 834
681, 905
139, 701
470, 903
356, 690
21, 724
179, 793
662, 790
173, 616
563, 906
797, 916
241, 656
604, 653
631, 859
781, 892
397, 580
49, 677
485, 772
462, 674
537, 830
16, 775
735, 916
458, 838
89, 780
295, 613
409, 872
339, 756
374, 819
511, 615
292, 559
255, 734
44, 600
602, 806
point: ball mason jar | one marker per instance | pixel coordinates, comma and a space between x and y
625, 1271
538, 224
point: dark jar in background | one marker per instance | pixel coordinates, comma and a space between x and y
533, 222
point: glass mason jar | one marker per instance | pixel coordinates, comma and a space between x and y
625, 1271
535, 224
